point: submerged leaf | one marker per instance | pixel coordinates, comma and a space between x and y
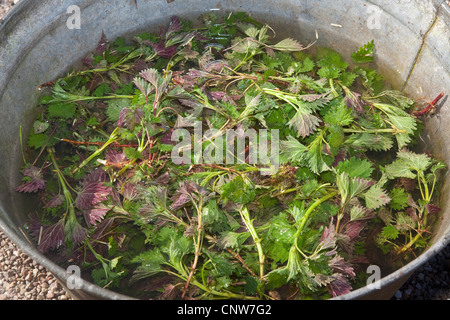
91, 194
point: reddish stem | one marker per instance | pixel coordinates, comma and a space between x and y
429, 106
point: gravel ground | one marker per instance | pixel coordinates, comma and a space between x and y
21, 278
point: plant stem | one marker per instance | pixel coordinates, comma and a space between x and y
308, 213
245, 215
62, 181
393, 131
198, 244
112, 139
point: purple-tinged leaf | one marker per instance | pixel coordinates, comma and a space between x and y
339, 285
304, 123
51, 237
56, 201
162, 51
78, 233
91, 194
129, 191
102, 45
432, 209
96, 214
328, 239
186, 192
353, 229
102, 228
174, 26
140, 65
32, 186
167, 138
339, 265
411, 211
88, 61
163, 179
353, 101
98, 175
115, 156
36, 183
128, 118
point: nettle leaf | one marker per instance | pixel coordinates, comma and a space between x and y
376, 197
397, 98
51, 237
365, 53
399, 199
115, 107
317, 161
279, 238
249, 29
304, 123
55, 201
244, 45
75, 233
306, 65
40, 126
339, 114
151, 263
61, 110
356, 167
404, 123
288, 44
407, 162
357, 212
292, 149
330, 62
371, 141
35, 180
188, 191
96, 214
91, 194
390, 232
239, 190
350, 188
231, 239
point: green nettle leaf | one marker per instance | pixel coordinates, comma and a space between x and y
365, 53
115, 107
399, 198
40, 127
356, 167
288, 44
404, 124
61, 110
239, 190
390, 232
317, 161
37, 141
292, 150
376, 197
280, 237
304, 123
408, 164
339, 114
351, 188
132, 153
357, 213
371, 141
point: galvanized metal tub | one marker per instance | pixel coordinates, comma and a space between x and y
40, 40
